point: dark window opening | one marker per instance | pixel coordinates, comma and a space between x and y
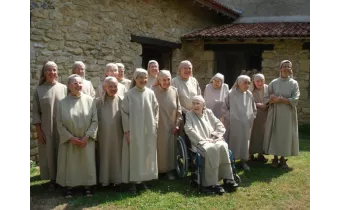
231, 63
162, 55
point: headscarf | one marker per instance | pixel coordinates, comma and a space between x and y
150, 62
70, 78
42, 78
255, 78
161, 74
139, 71
290, 64
240, 79
221, 77
106, 80
76, 64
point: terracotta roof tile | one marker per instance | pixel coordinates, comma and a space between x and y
253, 30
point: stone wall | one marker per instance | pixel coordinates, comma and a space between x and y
255, 8
203, 65
98, 32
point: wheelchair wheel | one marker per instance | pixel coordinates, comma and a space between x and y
237, 179
182, 158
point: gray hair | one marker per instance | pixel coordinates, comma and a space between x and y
120, 65
76, 64
107, 80
70, 79
42, 78
240, 79
112, 66
181, 65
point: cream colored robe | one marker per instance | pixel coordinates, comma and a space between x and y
170, 116
125, 82
217, 164
88, 88
151, 81
77, 117
110, 138
242, 112
121, 90
214, 99
186, 90
45, 104
140, 117
281, 130
257, 132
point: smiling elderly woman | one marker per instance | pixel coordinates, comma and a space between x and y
79, 68
110, 133
258, 89
121, 76
206, 132
170, 116
111, 70
153, 70
140, 123
242, 110
45, 102
77, 126
187, 86
281, 130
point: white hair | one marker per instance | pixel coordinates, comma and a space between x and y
70, 79
42, 78
107, 80
120, 65
78, 63
241, 79
182, 64
111, 66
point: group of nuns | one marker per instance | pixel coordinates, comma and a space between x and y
125, 132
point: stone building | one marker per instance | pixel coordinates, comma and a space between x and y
216, 36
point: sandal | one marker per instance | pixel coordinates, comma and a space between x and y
88, 192
275, 163
283, 163
68, 193
218, 189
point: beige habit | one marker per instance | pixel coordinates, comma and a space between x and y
110, 137
77, 117
88, 88
281, 130
257, 132
45, 104
170, 116
140, 117
186, 88
126, 83
207, 127
242, 112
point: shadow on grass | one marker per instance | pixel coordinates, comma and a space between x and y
43, 199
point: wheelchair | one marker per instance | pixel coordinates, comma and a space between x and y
189, 160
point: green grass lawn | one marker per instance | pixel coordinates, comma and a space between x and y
261, 188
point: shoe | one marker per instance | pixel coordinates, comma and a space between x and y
218, 189
283, 164
133, 189
275, 163
230, 183
142, 186
262, 159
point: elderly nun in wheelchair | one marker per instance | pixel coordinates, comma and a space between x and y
206, 132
